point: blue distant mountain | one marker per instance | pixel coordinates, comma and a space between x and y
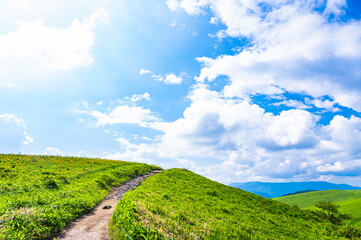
272, 190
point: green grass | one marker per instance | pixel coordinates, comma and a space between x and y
40, 195
348, 200
353, 207
179, 204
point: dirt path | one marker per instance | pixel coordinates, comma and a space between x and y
94, 226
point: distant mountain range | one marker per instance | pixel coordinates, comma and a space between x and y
273, 190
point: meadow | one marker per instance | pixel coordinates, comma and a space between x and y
40, 195
179, 204
348, 200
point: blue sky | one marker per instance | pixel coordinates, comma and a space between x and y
235, 90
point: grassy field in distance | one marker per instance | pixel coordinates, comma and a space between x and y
179, 204
40, 195
348, 200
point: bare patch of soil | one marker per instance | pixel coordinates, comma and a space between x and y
94, 226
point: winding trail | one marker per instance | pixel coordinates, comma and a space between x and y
94, 225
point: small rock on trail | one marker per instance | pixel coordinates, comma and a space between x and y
94, 226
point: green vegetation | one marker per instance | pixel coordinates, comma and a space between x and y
179, 204
40, 195
348, 200
330, 211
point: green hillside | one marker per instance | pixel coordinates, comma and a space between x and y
349, 201
179, 204
40, 195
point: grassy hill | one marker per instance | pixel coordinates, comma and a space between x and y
179, 204
40, 195
349, 201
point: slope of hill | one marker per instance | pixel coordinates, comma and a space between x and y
349, 201
40, 195
273, 189
179, 204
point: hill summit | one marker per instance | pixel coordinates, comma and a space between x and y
179, 204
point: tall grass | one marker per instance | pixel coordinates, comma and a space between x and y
40, 195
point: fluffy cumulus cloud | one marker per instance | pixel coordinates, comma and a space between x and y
240, 134
292, 128
169, 78
291, 46
123, 113
36, 48
344, 135
13, 134
173, 79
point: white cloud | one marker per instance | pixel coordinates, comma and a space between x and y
139, 97
53, 151
146, 138
335, 6
323, 104
292, 103
124, 114
337, 166
293, 128
173, 79
215, 126
158, 77
169, 78
210, 130
144, 71
13, 134
344, 135
173, 5
35, 48
352, 167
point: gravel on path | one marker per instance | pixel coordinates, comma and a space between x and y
94, 225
